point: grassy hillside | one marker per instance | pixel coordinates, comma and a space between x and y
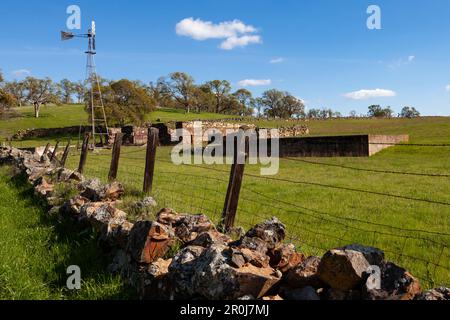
421, 130
35, 251
74, 115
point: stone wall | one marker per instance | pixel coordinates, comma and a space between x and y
138, 135
225, 128
50, 132
134, 135
183, 256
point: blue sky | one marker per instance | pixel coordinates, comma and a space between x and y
325, 54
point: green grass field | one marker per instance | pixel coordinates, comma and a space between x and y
35, 251
423, 130
325, 202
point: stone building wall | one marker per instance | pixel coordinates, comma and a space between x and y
226, 128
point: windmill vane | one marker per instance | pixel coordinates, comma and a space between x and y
99, 122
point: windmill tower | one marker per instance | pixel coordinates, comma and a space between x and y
98, 119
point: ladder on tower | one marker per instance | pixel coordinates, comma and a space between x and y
98, 119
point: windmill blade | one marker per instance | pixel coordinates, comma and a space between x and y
66, 35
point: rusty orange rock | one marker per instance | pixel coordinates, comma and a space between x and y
285, 257
149, 241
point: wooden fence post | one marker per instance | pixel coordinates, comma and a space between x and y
241, 145
152, 142
65, 154
44, 153
54, 151
115, 157
84, 152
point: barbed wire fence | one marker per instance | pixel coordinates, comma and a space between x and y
198, 188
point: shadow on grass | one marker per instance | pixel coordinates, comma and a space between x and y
73, 244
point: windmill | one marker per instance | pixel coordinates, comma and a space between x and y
92, 79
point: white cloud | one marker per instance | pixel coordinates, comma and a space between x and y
447, 88
21, 73
254, 82
277, 60
368, 94
233, 42
235, 33
402, 62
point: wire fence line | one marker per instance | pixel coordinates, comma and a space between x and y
440, 175
194, 189
337, 187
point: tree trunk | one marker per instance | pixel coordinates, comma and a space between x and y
217, 105
37, 108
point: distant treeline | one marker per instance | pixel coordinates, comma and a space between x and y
128, 101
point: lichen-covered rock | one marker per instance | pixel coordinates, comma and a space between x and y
272, 232
374, 256
66, 175
182, 270
254, 257
208, 238
252, 243
441, 293
155, 283
95, 191
90, 189
206, 273
99, 214
237, 259
73, 206
112, 191
147, 202
187, 227
396, 284
168, 217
